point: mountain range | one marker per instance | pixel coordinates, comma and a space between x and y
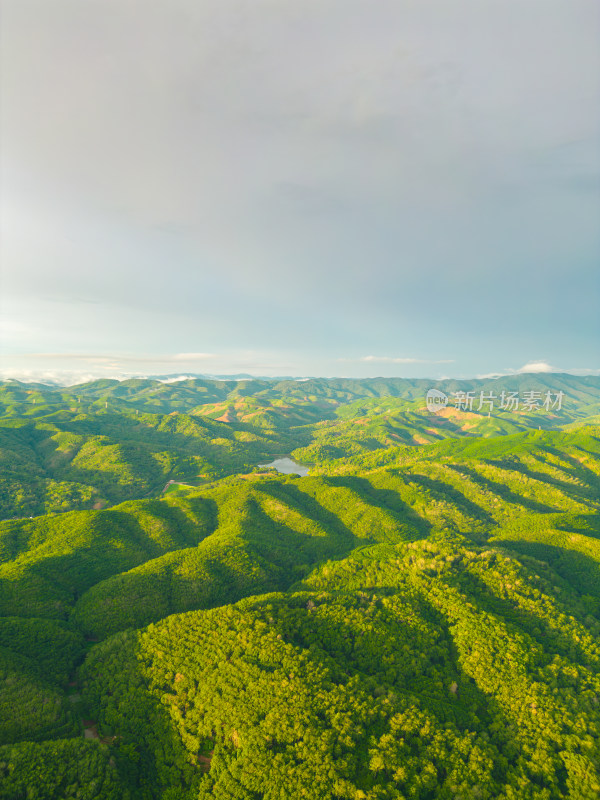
419, 617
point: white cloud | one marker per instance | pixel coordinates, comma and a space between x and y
533, 367
537, 366
178, 379
490, 375
59, 377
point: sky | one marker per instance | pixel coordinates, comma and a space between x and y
310, 187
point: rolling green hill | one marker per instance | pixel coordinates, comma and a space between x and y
21, 399
67, 460
406, 671
97, 444
417, 618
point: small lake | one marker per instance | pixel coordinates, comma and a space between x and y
287, 467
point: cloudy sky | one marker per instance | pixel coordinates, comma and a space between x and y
308, 187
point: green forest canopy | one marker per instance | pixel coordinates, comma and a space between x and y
417, 618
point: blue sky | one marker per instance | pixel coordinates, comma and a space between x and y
338, 187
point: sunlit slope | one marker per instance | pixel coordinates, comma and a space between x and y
519, 448
424, 626
100, 443
367, 428
67, 460
48, 562
142, 560
412, 670
268, 414
582, 394
145, 395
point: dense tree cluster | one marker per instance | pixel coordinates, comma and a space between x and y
65, 769
411, 621
431, 683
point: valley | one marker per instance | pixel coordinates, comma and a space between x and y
417, 617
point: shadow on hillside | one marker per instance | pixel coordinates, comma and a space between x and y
151, 755
191, 435
81, 549
550, 639
449, 493
356, 651
502, 490
290, 549
129, 469
578, 469
575, 492
122, 457
184, 580
583, 524
303, 503
582, 572
416, 526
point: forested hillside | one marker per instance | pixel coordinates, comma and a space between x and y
68, 459
97, 444
419, 617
